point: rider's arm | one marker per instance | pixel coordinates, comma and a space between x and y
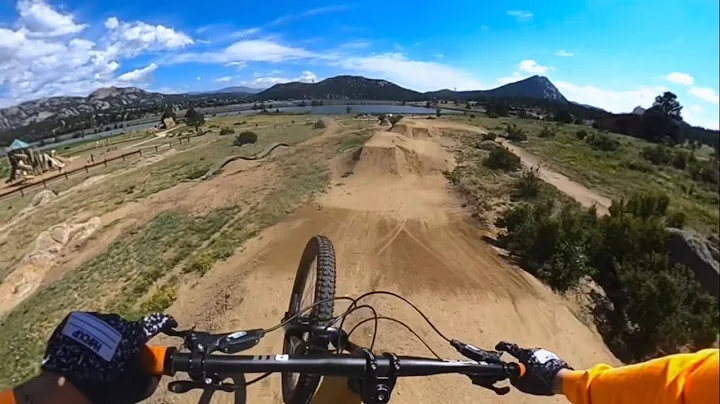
44, 389
682, 378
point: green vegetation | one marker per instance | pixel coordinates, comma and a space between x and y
502, 159
226, 131
395, 119
319, 124
651, 307
244, 138
546, 131
514, 133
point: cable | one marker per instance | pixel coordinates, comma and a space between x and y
401, 323
347, 312
257, 379
303, 310
382, 292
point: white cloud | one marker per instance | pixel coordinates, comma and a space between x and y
255, 50
531, 66
238, 65
244, 33
521, 15
131, 38
695, 115
611, 100
680, 78
705, 93
357, 44
142, 75
563, 52
199, 78
224, 79
308, 13
414, 74
267, 81
439, 56
39, 19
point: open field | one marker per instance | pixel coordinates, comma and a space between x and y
220, 252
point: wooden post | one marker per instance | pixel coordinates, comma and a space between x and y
86, 169
21, 192
66, 176
140, 152
44, 184
105, 161
156, 149
92, 159
123, 157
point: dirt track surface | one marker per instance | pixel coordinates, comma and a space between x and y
396, 226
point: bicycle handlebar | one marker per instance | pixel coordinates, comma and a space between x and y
167, 361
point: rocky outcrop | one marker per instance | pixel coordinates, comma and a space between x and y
697, 254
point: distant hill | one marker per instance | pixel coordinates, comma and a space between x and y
340, 87
237, 89
102, 99
536, 87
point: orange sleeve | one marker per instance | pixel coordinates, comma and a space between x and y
682, 378
7, 397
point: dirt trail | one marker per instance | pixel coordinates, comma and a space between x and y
396, 226
583, 195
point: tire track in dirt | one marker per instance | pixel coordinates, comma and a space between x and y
396, 226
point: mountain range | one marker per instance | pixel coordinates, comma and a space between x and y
113, 99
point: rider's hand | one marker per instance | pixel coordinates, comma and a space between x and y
100, 355
541, 367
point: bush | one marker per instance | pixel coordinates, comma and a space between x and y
704, 172
502, 159
638, 165
488, 136
226, 131
528, 185
680, 159
658, 155
581, 134
395, 119
382, 118
472, 116
246, 137
546, 132
602, 142
654, 307
492, 115
563, 117
512, 132
319, 124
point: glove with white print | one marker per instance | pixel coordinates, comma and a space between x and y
541, 367
100, 355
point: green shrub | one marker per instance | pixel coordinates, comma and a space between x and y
491, 114
502, 159
528, 185
638, 165
704, 172
319, 124
680, 159
488, 136
246, 137
658, 154
512, 132
602, 142
654, 307
382, 118
546, 132
395, 119
581, 134
226, 131
161, 299
200, 265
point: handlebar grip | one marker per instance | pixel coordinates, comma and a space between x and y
153, 359
517, 370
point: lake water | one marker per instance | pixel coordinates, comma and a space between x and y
319, 110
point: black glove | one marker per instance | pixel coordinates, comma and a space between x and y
541, 367
100, 355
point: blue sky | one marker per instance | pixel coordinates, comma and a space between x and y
612, 54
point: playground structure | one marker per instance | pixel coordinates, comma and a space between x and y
27, 161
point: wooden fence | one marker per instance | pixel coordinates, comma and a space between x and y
22, 190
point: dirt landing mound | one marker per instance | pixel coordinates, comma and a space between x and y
414, 131
388, 153
49, 245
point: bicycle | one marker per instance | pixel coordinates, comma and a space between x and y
307, 355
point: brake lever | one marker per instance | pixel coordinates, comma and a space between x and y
481, 355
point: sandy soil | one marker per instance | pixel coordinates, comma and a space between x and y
396, 226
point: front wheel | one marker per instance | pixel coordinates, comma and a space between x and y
314, 283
